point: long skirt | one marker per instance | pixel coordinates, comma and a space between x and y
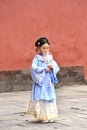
43, 110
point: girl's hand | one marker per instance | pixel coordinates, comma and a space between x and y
48, 69
50, 66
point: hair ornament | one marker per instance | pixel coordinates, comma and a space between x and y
38, 43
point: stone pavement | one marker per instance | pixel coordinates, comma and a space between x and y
72, 105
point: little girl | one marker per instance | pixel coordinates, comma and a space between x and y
42, 103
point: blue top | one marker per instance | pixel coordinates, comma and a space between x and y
43, 82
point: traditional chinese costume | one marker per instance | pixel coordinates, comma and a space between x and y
43, 98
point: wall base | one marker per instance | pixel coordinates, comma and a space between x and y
20, 80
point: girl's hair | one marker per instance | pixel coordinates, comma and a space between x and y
41, 41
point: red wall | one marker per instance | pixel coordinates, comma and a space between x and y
63, 22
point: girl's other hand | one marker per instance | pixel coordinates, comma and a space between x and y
50, 66
48, 69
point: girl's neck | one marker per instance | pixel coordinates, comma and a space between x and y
43, 53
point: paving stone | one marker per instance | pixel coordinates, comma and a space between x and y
72, 106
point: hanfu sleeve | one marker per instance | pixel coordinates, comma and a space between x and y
56, 68
54, 72
37, 71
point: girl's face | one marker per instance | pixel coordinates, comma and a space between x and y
44, 48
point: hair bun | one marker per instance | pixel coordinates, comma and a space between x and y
41, 41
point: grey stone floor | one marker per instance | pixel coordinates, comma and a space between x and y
72, 106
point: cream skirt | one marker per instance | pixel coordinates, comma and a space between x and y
43, 110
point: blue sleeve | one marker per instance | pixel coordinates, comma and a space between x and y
54, 72
56, 68
35, 65
37, 72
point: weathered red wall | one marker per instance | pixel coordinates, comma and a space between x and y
63, 22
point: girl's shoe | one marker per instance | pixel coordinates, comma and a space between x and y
45, 121
51, 121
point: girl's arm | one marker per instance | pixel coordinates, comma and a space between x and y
37, 72
35, 66
56, 68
